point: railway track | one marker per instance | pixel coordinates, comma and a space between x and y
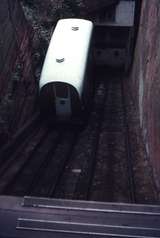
92, 163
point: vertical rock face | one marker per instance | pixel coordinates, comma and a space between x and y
145, 80
17, 82
14, 41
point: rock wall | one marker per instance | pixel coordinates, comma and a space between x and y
14, 41
145, 81
17, 82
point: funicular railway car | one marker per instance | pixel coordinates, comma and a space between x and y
64, 83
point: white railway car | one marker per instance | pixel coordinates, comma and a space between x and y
64, 84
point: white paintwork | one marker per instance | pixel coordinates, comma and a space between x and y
71, 45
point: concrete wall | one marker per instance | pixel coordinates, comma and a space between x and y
145, 81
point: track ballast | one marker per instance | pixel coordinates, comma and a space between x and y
89, 163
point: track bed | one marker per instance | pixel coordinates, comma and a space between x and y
89, 163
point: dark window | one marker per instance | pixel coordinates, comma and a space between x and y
62, 102
116, 53
61, 90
